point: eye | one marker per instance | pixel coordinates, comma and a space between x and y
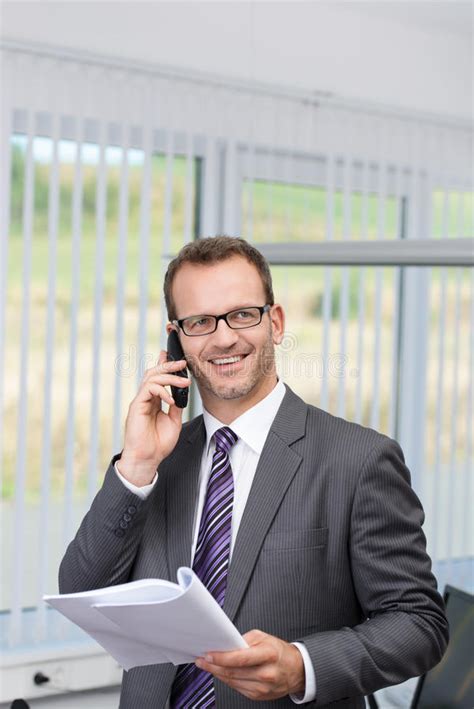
198, 323
244, 314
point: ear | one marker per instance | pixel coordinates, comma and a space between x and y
277, 317
169, 328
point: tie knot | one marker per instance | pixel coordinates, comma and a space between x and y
225, 439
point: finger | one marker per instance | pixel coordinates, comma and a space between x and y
165, 367
249, 657
168, 380
254, 686
237, 674
163, 363
168, 360
153, 390
162, 358
171, 365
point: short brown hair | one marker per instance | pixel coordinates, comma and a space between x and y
212, 250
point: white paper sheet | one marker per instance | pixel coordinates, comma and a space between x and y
152, 621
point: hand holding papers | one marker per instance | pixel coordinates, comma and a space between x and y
152, 621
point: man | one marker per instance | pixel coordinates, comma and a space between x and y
302, 525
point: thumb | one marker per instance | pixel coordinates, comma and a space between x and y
253, 637
162, 357
175, 414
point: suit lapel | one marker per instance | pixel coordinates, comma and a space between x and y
276, 468
183, 469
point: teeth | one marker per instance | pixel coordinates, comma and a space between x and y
226, 360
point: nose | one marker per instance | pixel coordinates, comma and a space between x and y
224, 336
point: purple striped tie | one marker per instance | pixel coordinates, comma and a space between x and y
193, 688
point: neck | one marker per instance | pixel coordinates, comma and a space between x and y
227, 410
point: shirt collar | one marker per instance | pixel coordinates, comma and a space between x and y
254, 424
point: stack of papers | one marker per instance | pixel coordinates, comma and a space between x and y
152, 621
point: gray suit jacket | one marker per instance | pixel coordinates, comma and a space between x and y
330, 552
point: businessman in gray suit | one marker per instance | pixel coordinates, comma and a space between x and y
319, 558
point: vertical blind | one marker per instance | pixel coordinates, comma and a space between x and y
108, 169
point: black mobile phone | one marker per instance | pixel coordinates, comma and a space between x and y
175, 353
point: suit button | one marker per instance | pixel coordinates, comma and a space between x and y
131, 510
127, 517
123, 524
119, 533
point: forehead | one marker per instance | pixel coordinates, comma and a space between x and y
216, 288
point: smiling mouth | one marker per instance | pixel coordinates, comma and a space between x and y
221, 361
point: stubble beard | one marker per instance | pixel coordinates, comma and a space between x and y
263, 366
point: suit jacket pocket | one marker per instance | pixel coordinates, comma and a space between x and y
295, 539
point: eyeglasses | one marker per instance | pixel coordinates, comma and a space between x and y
239, 319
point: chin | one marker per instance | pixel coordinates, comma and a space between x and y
229, 391
233, 393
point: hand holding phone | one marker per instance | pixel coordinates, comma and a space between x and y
150, 432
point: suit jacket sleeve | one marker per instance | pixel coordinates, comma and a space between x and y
405, 632
105, 547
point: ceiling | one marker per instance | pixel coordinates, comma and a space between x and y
455, 16
415, 54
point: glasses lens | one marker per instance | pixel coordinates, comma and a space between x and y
246, 317
199, 325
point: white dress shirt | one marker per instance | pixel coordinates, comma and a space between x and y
252, 429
